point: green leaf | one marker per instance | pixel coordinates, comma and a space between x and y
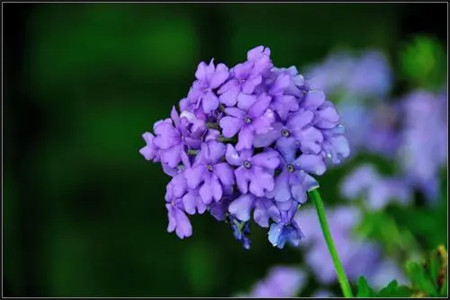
421, 279
364, 290
394, 290
389, 289
434, 266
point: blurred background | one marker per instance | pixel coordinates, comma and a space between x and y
83, 212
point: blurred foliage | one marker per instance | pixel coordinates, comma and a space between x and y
391, 290
83, 211
423, 62
428, 279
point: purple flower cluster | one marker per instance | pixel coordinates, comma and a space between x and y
420, 152
367, 75
424, 139
376, 190
245, 145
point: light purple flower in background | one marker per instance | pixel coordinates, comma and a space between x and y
377, 191
357, 76
322, 294
209, 77
281, 281
424, 140
342, 221
256, 120
209, 172
371, 129
254, 173
371, 75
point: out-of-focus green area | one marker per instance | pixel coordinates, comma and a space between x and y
83, 212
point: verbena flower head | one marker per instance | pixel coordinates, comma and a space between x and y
245, 146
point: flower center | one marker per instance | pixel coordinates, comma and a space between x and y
285, 132
247, 164
247, 120
290, 168
210, 168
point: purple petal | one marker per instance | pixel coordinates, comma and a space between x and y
236, 112
257, 53
260, 182
224, 172
184, 228
313, 99
207, 191
194, 176
264, 210
311, 139
166, 135
210, 102
174, 116
269, 160
172, 156
232, 156
245, 138
242, 179
241, 207
219, 76
251, 83
281, 191
245, 101
311, 163
299, 192
288, 148
230, 126
266, 139
264, 123
229, 93
202, 71
216, 188
327, 117
280, 84
299, 120
215, 151
284, 104
259, 106
242, 70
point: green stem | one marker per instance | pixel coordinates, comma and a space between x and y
343, 281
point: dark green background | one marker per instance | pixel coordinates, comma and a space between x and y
83, 212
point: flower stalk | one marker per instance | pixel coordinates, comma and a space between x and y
342, 277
